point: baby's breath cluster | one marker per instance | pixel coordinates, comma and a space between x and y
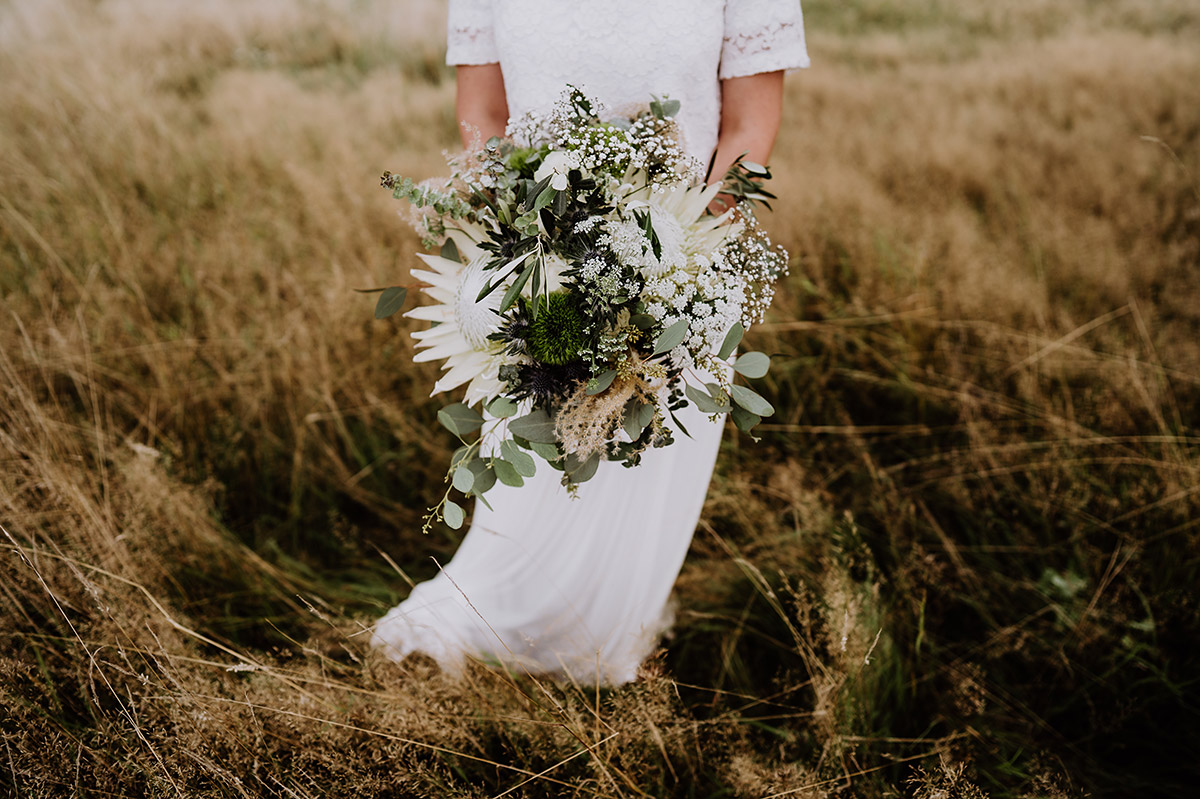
649, 142
661, 152
758, 264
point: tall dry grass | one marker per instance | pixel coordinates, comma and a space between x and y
963, 558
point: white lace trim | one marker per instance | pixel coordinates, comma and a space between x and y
780, 46
470, 33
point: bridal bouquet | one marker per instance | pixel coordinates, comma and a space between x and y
583, 293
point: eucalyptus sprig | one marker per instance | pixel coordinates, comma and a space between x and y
744, 181
744, 405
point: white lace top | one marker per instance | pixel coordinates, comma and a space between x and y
624, 51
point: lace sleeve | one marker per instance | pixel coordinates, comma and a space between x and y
469, 34
762, 36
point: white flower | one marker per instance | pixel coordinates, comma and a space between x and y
553, 268
558, 163
688, 236
461, 324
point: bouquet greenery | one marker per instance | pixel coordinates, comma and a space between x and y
583, 293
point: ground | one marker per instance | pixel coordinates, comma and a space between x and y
962, 560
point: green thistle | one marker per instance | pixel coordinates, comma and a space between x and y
556, 336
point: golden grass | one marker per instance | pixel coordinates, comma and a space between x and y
969, 534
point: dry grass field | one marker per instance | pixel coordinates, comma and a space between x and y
963, 561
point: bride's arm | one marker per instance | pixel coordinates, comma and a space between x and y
751, 108
482, 106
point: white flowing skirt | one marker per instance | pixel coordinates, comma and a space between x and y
572, 587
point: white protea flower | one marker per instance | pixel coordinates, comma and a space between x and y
687, 235
554, 267
461, 325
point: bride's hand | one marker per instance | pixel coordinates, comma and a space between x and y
721, 203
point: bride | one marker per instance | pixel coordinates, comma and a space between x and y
579, 587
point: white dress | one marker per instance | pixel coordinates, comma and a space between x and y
543, 582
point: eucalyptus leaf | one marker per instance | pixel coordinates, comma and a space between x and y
745, 420
637, 417
643, 321
751, 401
485, 478
459, 419
507, 473
752, 364
536, 427
527, 223
582, 471
390, 301
502, 408
664, 108
732, 339
547, 452
600, 384
521, 461
464, 479
672, 337
453, 515
450, 251
705, 402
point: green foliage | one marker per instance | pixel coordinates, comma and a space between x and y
664, 108
556, 333
671, 338
744, 183
453, 514
526, 160
390, 301
460, 419
521, 461
706, 402
751, 401
424, 196
732, 339
502, 408
752, 364
537, 427
601, 383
